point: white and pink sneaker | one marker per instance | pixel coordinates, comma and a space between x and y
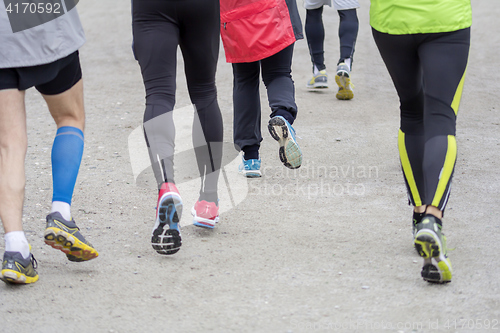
206, 214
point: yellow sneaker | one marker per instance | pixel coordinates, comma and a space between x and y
65, 236
16, 269
344, 82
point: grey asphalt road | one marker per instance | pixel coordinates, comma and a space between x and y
325, 248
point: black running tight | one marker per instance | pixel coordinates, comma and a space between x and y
315, 33
159, 28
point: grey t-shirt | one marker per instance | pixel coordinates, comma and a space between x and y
42, 44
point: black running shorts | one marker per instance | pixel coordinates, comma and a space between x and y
49, 79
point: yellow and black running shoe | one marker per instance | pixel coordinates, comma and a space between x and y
65, 236
16, 269
430, 244
417, 218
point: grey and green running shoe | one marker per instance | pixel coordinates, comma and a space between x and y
417, 218
343, 80
16, 269
318, 81
65, 236
430, 244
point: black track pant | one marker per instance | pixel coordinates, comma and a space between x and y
276, 74
428, 72
159, 28
315, 33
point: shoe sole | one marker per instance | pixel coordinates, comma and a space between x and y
289, 151
202, 222
345, 92
436, 268
317, 85
413, 235
166, 238
320, 82
74, 249
10, 276
251, 174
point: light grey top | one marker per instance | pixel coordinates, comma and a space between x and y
42, 44
337, 4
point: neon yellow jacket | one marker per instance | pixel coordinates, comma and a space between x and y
402, 17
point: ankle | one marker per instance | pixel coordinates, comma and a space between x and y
63, 208
251, 152
209, 197
434, 211
419, 209
417, 217
15, 241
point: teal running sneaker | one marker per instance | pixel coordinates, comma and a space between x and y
250, 168
289, 151
430, 244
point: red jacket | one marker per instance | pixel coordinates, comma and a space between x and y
252, 30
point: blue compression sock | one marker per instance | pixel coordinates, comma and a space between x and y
67, 152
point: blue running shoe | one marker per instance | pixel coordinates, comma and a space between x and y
281, 131
166, 234
250, 168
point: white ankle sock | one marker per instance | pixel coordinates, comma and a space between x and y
348, 63
15, 241
315, 70
63, 208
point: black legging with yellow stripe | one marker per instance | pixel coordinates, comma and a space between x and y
428, 72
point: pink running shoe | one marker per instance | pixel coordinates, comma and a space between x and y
166, 234
206, 214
